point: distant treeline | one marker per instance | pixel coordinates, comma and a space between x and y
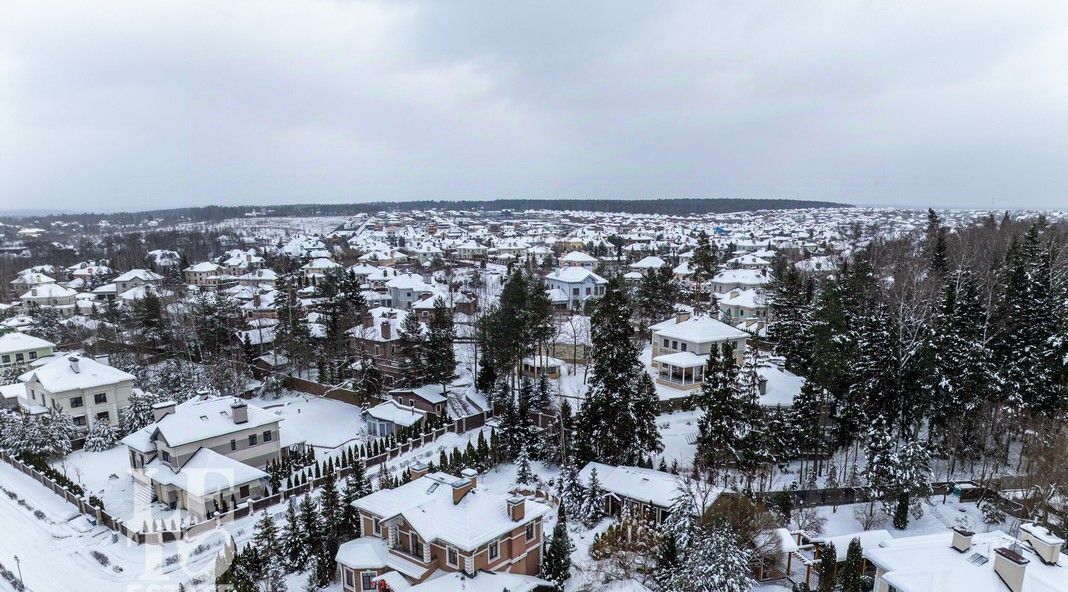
634, 206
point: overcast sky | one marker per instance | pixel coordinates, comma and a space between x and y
143, 104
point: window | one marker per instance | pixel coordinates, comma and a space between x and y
100, 398
233, 445
7, 359
588, 291
252, 439
683, 346
377, 525
267, 436
666, 342
674, 344
365, 580
20, 357
417, 545
494, 550
166, 456
79, 421
243, 492
530, 531
103, 416
575, 291
452, 557
76, 402
33, 355
350, 579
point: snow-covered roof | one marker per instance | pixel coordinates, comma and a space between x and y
196, 420
205, 473
139, 274
699, 329
575, 275
929, 563
686, 359
482, 581
15, 341
60, 375
395, 413
637, 483
578, 257
426, 504
49, 291
370, 552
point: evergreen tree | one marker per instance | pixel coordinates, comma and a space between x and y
719, 440
703, 263
790, 325
593, 501
828, 565
556, 566
292, 538
849, 578
101, 436
412, 344
608, 424
440, 356
716, 560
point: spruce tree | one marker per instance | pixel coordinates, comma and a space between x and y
849, 578
556, 566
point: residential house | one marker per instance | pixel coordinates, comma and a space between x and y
578, 283
681, 346
646, 493
82, 388
441, 523
18, 349
206, 453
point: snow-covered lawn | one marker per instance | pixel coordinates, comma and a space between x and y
323, 423
937, 517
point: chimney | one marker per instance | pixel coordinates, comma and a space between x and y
74, 365
387, 330
239, 409
516, 508
368, 321
256, 300
1010, 567
418, 470
162, 409
762, 386
681, 316
1046, 545
460, 487
471, 475
962, 539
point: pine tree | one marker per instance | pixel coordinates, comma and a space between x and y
716, 560
266, 538
849, 578
412, 344
524, 476
828, 565
556, 566
440, 356
719, 442
614, 423
593, 501
704, 267
292, 539
101, 436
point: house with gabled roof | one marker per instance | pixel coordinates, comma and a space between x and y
439, 524
204, 454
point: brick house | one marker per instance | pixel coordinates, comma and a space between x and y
441, 522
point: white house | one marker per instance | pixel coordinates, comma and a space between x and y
681, 346
17, 349
578, 283
83, 388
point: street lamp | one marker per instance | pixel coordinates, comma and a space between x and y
18, 566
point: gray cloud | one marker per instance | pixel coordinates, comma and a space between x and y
131, 105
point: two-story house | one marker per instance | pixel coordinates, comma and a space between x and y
54, 296
681, 346
441, 522
203, 275
202, 454
377, 338
19, 349
82, 388
578, 283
